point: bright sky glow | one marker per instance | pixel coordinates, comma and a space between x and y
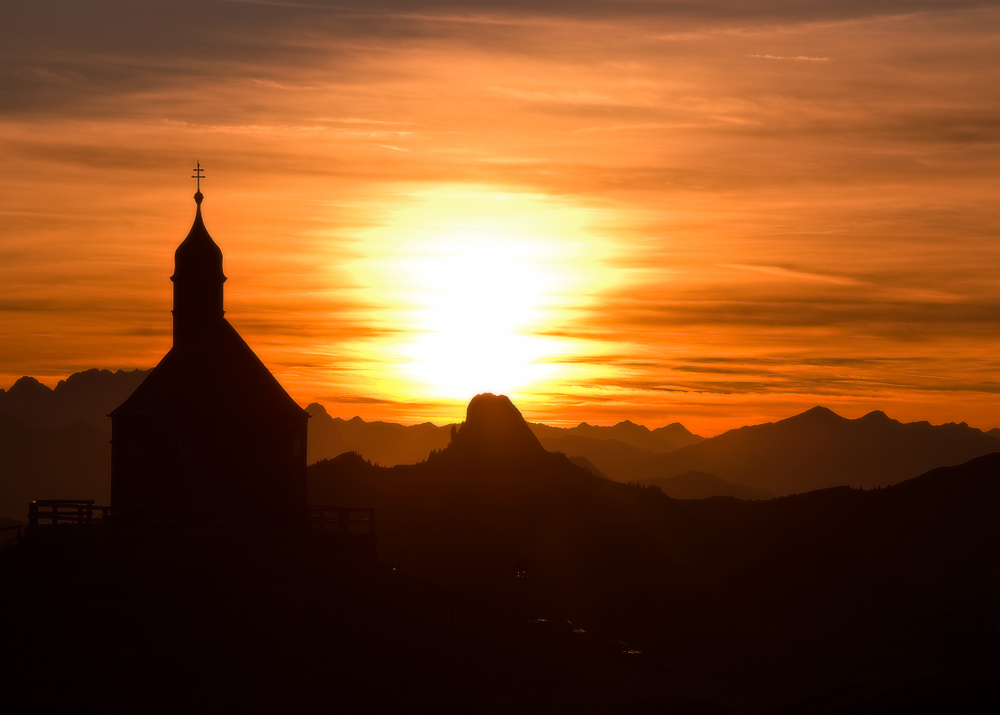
719, 213
477, 281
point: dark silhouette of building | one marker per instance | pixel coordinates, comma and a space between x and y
210, 436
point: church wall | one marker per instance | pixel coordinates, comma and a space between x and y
247, 469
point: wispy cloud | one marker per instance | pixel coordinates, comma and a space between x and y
797, 58
789, 274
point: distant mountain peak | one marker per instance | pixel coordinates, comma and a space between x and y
27, 385
494, 425
818, 413
629, 424
316, 409
877, 416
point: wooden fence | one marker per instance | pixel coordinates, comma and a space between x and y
81, 512
55, 512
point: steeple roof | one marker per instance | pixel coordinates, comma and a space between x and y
210, 370
198, 256
217, 376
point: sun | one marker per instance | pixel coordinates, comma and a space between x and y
482, 297
476, 284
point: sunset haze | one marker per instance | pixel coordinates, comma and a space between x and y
650, 211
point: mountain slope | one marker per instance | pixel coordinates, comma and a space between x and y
617, 459
698, 485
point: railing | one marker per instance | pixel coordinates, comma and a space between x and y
79, 512
342, 519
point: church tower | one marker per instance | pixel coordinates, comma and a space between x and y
210, 437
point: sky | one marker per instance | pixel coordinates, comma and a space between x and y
718, 213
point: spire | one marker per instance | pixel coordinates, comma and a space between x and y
198, 279
198, 171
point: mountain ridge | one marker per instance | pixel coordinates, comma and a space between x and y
819, 448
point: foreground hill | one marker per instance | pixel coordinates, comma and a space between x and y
819, 449
147, 621
795, 595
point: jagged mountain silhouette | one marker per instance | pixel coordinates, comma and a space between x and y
824, 579
86, 396
813, 450
819, 448
659, 440
386, 443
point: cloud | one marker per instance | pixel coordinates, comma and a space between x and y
789, 274
743, 208
799, 58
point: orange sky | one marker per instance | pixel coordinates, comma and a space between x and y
658, 211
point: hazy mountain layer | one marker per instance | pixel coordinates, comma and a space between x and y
385, 443
819, 449
698, 485
662, 439
618, 460
71, 462
82, 397
813, 450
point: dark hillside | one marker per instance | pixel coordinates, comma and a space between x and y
191, 621
795, 595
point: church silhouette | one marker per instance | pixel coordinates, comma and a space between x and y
210, 437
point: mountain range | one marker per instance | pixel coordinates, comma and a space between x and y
794, 594
86, 396
819, 449
836, 600
56, 445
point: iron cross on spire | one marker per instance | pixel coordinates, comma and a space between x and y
198, 175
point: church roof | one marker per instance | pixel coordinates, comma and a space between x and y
219, 375
198, 254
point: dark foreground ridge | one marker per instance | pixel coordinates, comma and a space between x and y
512, 580
198, 621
